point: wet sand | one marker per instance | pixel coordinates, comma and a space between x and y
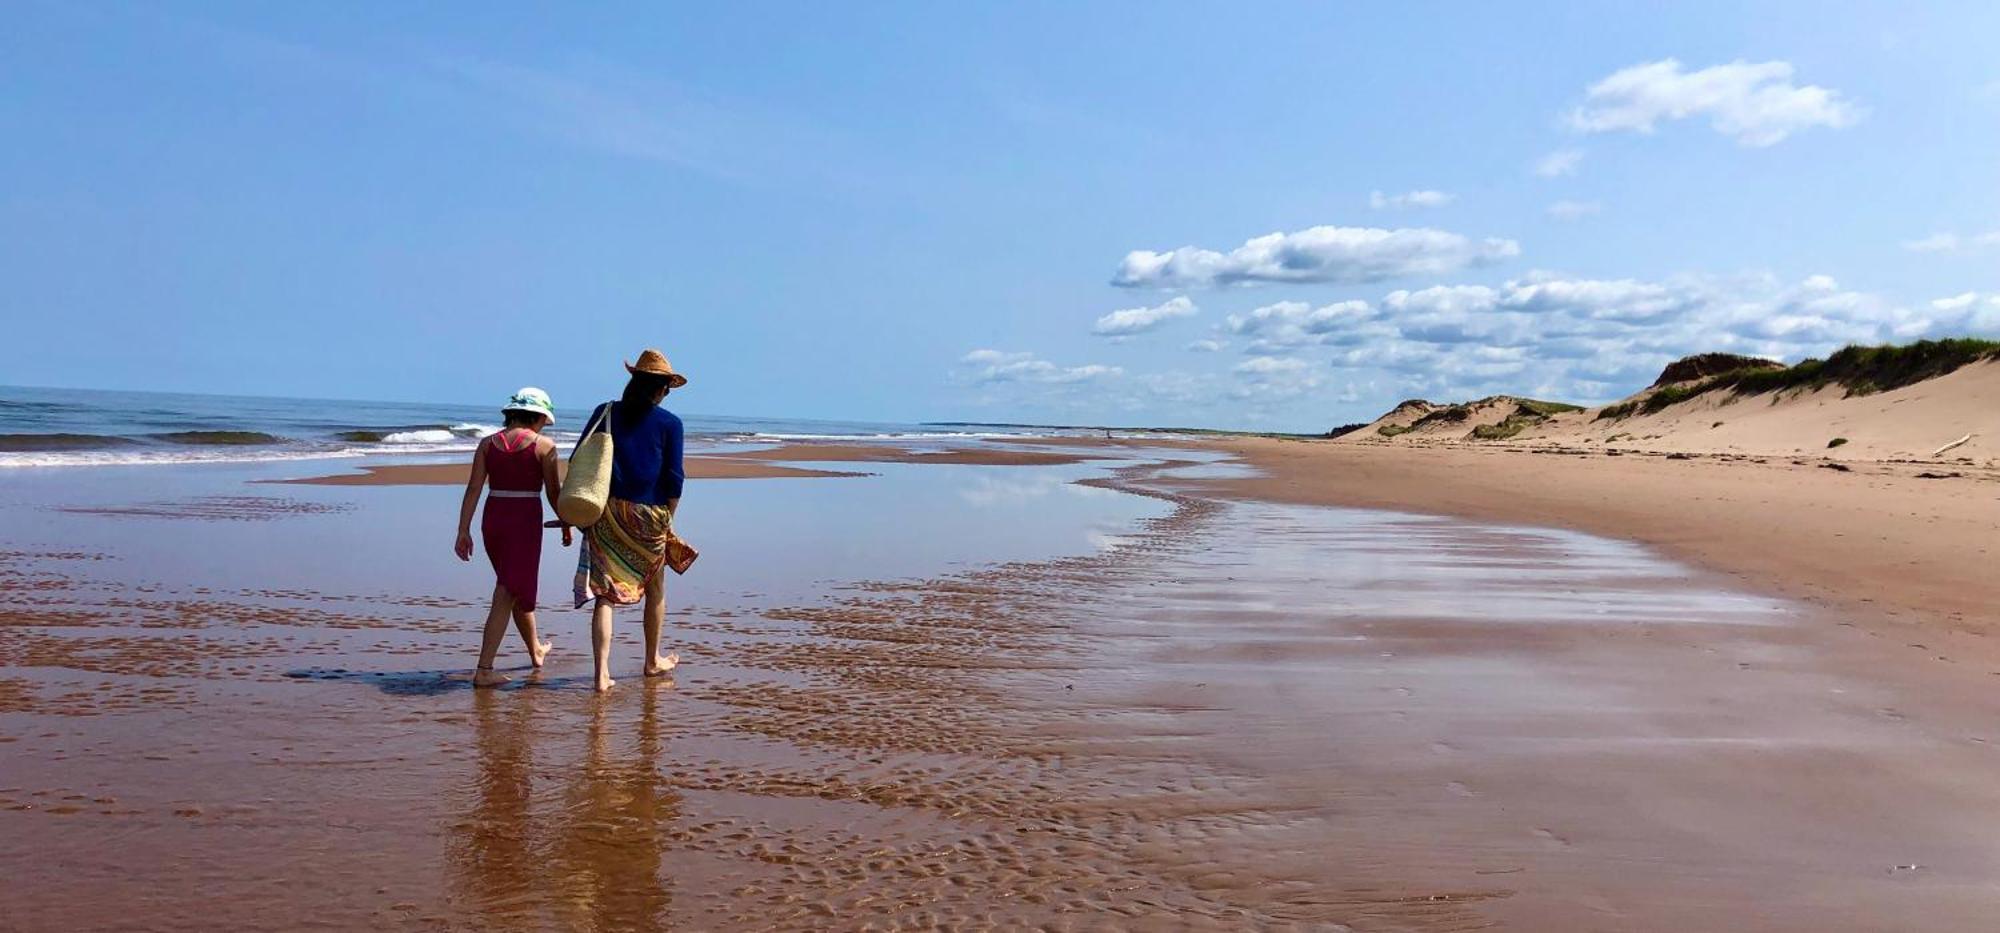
1200, 709
455, 474
1895, 545
832, 452
750, 464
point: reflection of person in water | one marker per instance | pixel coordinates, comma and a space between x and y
492, 872
606, 865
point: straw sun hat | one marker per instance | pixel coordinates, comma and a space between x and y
533, 401
654, 362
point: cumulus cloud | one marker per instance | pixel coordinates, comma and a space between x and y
996, 366
1409, 199
1953, 243
1757, 104
1581, 338
1574, 210
1559, 163
1208, 345
1956, 302
1265, 380
1265, 367
1288, 325
1970, 313
1140, 320
1315, 254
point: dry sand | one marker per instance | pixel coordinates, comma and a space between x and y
1904, 424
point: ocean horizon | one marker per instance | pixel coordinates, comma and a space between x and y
58, 427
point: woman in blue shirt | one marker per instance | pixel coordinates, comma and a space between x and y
623, 553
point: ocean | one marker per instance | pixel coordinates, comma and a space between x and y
81, 427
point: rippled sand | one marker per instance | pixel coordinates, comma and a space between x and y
1223, 715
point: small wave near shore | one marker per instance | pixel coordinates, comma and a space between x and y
57, 428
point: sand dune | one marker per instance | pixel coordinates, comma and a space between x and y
1913, 422
1909, 423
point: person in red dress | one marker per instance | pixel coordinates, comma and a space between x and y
523, 469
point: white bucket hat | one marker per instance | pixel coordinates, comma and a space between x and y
533, 401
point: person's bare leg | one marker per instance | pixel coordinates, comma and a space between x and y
496, 632
524, 622
600, 642
656, 619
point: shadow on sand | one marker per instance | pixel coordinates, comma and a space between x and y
435, 683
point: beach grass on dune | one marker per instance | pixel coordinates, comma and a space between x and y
1615, 412
1857, 369
1867, 370
1527, 413
1450, 414
1545, 409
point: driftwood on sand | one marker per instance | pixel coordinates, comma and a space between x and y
1951, 445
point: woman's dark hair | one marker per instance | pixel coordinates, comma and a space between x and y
639, 392
517, 418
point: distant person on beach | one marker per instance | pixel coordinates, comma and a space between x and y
523, 468
623, 554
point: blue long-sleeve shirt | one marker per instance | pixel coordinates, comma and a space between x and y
645, 455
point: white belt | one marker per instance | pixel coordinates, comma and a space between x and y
514, 493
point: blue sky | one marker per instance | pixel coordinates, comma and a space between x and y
935, 211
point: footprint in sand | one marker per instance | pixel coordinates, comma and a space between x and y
1553, 840
1461, 790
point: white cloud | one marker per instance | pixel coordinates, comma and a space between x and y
1559, 163
1755, 104
1263, 380
1970, 314
1315, 254
1574, 210
1289, 325
1409, 199
1264, 367
992, 366
1952, 242
1140, 320
1208, 345
1600, 299
1956, 302
1590, 339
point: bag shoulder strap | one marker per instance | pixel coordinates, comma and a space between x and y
600, 420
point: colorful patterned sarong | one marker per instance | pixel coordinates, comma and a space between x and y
625, 549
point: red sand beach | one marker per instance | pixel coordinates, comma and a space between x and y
1182, 695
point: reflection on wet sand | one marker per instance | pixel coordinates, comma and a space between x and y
495, 875
604, 868
589, 857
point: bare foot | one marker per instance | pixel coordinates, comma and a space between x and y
662, 665
605, 683
539, 652
487, 677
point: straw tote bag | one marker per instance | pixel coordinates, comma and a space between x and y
587, 486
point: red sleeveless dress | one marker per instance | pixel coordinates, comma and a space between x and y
512, 524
